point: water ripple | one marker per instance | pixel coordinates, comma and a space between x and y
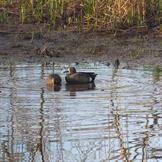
119, 119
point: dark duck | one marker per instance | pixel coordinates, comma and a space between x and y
73, 77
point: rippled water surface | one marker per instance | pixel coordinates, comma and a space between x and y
117, 119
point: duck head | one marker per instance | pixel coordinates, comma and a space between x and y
71, 70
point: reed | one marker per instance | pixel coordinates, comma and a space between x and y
55, 9
90, 16
87, 14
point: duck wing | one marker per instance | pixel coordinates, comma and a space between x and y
91, 75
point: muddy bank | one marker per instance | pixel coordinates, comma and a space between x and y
25, 43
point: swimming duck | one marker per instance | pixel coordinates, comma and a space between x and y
74, 77
54, 79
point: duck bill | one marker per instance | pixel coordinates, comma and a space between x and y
66, 71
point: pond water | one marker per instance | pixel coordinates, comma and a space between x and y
117, 119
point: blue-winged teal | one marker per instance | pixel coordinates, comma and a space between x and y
74, 77
54, 79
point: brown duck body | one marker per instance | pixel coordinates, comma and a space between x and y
74, 77
54, 79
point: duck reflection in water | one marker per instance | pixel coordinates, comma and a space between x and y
54, 82
73, 88
53, 87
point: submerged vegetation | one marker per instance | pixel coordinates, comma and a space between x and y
99, 15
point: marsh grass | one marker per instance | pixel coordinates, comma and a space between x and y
90, 13
3, 16
86, 14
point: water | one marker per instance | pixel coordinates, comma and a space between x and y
117, 119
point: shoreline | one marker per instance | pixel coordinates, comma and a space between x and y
27, 44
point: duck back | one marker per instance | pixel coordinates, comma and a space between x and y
80, 77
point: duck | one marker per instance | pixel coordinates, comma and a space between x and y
74, 77
54, 79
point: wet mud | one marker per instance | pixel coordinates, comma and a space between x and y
28, 43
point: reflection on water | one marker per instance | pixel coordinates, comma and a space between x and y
79, 87
53, 87
117, 119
